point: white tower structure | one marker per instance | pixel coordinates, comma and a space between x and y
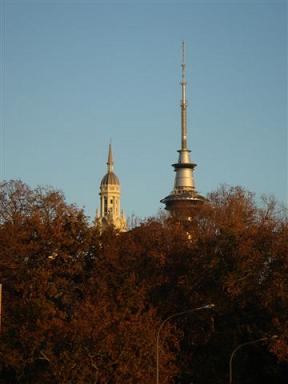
184, 195
110, 209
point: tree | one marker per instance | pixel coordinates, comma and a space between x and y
84, 307
72, 312
235, 256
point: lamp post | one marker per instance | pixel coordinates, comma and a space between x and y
208, 306
237, 349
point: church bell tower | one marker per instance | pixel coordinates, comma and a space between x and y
184, 196
110, 210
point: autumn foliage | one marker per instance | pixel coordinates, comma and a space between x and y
80, 306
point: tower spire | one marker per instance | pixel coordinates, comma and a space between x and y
110, 193
110, 159
184, 196
183, 102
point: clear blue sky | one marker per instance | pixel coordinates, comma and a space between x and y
76, 73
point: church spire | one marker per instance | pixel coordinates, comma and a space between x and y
110, 207
110, 159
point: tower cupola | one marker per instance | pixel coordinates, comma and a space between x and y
110, 193
110, 178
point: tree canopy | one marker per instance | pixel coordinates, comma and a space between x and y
84, 306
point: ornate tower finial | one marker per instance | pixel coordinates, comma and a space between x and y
110, 159
184, 195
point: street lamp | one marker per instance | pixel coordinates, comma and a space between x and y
208, 306
240, 346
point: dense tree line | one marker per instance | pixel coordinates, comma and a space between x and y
80, 306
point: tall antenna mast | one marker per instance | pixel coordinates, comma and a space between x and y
184, 196
183, 102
